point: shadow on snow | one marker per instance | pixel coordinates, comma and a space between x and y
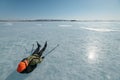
17, 76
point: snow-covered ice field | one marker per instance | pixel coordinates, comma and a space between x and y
87, 51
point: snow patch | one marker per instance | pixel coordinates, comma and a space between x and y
65, 25
39, 24
8, 24
100, 29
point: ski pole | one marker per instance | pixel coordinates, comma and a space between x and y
51, 50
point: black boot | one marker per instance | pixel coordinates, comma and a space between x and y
38, 44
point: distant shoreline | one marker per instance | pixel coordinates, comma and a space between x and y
58, 20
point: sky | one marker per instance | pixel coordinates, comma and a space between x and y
60, 9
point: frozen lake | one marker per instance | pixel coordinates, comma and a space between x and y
87, 51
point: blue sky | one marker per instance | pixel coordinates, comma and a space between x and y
60, 9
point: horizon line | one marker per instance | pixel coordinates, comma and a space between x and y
51, 20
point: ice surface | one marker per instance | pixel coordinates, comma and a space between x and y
83, 54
